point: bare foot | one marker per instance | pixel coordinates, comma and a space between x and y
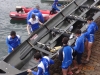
74, 68
78, 71
70, 73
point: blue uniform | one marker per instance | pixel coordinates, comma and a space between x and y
56, 1
54, 6
33, 23
79, 47
67, 57
13, 42
36, 12
43, 66
92, 28
79, 44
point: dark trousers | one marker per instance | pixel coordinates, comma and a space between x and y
53, 11
78, 57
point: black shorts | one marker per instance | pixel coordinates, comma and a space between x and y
78, 57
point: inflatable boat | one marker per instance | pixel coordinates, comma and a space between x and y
23, 15
49, 36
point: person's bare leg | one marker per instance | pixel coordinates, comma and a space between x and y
86, 46
89, 50
69, 71
64, 71
79, 68
75, 65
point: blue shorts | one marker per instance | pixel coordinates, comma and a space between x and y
66, 65
91, 38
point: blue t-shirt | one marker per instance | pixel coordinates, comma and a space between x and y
43, 66
79, 44
92, 28
54, 6
13, 42
67, 57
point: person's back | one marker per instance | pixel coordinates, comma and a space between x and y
92, 28
79, 44
67, 56
44, 65
36, 12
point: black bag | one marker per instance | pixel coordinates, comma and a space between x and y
61, 54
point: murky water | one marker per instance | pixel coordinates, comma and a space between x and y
7, 25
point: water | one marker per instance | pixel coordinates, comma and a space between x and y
7, 25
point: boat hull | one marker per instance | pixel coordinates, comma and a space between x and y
50, 34
22, 16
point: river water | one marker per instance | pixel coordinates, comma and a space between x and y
7, 25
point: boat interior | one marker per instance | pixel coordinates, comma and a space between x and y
51, 34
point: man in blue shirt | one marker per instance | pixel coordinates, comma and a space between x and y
91, 29
79, 49
67, 57
33, 24
36, 12
54, 7
43, 66
13, 41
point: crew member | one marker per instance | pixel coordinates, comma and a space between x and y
66, 57
54, 7
19, 9
79, 49
33, 24
43, 66
91, 29
36, 12
13, 41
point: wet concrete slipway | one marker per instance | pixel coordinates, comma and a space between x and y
7, 25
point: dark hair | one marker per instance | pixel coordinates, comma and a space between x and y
78, 31
65, 40
37, 56
89, 19
33, 16
13, 33
37, 6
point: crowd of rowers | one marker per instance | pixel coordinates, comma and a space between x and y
67, 55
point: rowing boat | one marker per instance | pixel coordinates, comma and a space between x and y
49, 36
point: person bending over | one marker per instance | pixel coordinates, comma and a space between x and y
43, 66
13, 41
33, 24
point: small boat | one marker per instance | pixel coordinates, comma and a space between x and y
15, 15
49, 36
